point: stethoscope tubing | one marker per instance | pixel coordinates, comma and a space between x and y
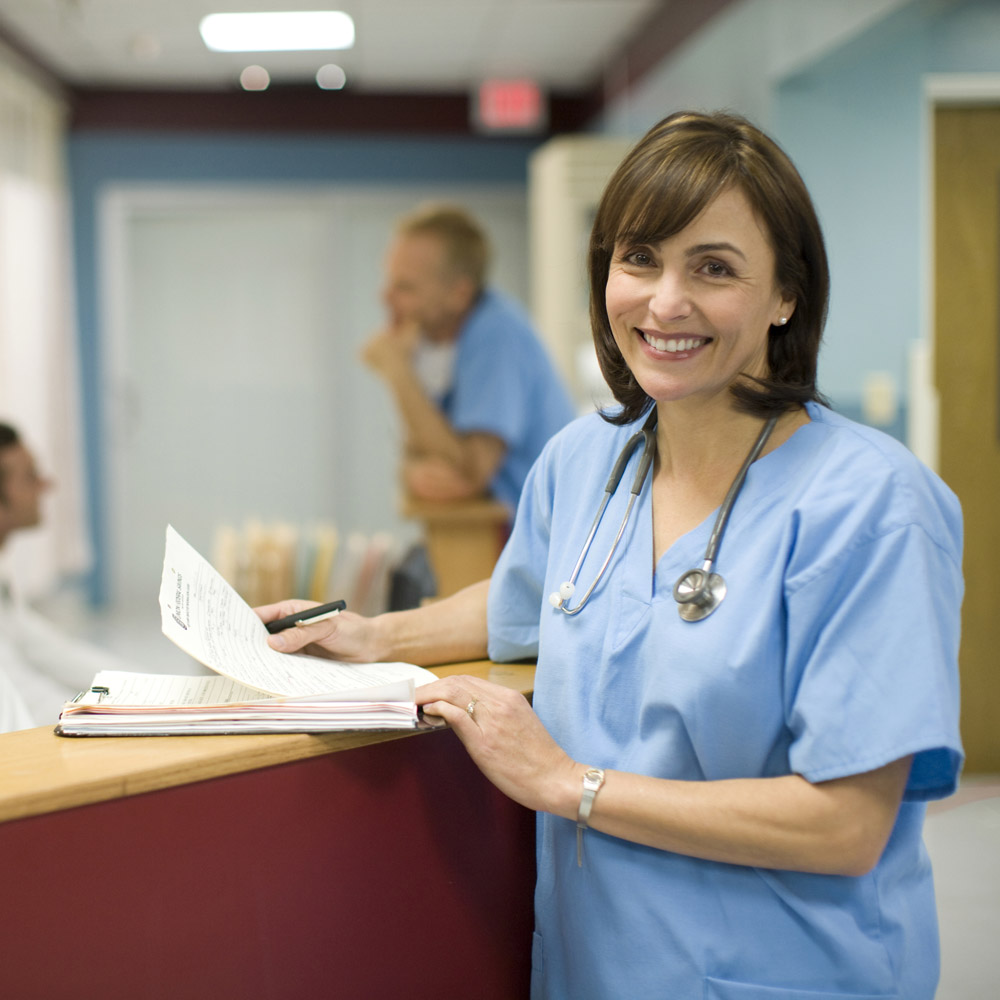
719, 528
698, 592
647, 438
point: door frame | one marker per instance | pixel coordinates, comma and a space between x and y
967, 93
924, 420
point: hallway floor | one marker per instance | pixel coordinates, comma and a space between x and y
963, 837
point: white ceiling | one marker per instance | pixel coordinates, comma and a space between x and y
401, 45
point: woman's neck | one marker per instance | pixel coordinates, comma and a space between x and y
697, 459
694, 443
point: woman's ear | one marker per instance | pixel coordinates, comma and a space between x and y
785, 311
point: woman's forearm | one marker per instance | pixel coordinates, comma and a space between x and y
451, 630
835, 827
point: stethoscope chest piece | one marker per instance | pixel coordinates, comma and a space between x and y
698, 593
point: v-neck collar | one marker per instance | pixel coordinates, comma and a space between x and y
688, 551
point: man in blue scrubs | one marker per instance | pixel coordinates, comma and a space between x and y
476, 391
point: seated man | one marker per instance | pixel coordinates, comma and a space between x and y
476, 391
40, 667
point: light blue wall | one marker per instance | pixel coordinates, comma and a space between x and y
98, 160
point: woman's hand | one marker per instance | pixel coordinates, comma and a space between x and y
451, 630
507, 741
346, 636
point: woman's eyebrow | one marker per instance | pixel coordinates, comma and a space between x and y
715, 248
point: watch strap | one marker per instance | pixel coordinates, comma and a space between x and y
593, 779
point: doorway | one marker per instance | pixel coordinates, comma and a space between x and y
967, 373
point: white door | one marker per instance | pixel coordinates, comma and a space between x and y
234, 320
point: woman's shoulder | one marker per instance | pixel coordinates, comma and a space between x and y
877, 453
855, 471
579, 457
592, 434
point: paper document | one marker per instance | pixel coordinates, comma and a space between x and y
254, 689
203, 615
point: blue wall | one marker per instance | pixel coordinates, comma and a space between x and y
100, 159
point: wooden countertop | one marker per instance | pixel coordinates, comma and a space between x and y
41, 772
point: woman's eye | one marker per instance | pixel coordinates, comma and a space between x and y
639, 258
716, 269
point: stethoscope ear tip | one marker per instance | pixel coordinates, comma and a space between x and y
558, 597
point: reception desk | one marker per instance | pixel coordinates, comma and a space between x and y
361, 866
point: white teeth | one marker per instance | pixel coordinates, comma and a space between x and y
673, 344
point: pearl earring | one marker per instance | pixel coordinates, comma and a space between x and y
782, 321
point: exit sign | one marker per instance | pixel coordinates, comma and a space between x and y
510, 106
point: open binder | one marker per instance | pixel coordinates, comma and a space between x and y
125, 704
254, 689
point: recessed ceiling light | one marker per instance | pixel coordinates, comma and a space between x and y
304, 30
255, 78
331, 77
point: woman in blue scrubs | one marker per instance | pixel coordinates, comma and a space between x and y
729, 808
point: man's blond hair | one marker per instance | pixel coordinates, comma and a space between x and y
466, 248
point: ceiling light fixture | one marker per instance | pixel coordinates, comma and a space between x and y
331, 77
304, 30
255, 78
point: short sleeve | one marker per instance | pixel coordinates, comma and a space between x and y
516, 587
872, 670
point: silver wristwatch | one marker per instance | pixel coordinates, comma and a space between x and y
592, 781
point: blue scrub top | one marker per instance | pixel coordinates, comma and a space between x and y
505, 384
834, 653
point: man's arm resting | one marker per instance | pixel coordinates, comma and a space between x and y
437, 477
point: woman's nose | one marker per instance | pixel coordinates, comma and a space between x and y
670, 299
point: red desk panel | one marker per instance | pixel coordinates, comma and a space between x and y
391, 870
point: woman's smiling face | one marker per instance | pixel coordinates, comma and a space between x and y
692, 312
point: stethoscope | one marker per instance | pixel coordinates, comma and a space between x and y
699, 591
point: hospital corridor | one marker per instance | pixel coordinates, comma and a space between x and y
498, 498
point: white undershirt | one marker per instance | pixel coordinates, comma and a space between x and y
434, 366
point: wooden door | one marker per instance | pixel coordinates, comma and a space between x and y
967, 372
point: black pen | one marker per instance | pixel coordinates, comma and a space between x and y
307, 617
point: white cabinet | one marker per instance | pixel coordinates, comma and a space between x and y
566, 178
